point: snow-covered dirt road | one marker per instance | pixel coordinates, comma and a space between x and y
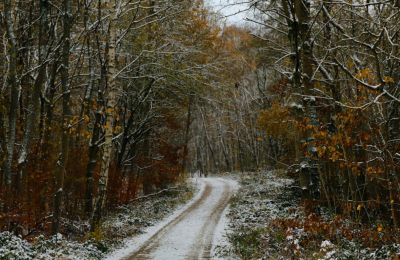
190, 232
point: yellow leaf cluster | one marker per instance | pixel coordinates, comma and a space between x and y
379, 228
371, 170
388, 79
365, 74
276, 121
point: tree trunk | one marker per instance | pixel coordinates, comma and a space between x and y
111, 104
94, 147
187, 130
66, 113
309, 173
12, 83
34, 103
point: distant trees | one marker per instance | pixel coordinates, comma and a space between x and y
94, 104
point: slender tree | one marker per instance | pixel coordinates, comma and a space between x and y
66, 117
112, 98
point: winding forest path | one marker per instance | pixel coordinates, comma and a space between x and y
190, 233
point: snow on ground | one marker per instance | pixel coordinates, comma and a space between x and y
180, 241
56, 247
189, 232
181, 230
133, 244
222, 230
267, 221
127, 221
257, 201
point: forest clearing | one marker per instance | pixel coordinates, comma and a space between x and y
200, 129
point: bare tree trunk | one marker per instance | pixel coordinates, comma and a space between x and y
12, 82
208, 142
34, 103
66, 113
96, 131
223, 146
111, 104
94, 148
187, 130
309, 174
89, 88
393, 132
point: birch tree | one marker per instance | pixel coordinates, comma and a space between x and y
112, 8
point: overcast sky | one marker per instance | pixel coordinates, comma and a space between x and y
232, 12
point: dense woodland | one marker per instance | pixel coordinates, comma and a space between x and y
334, 108
102, 101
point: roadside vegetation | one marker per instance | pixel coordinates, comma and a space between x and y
117, 228
267, 220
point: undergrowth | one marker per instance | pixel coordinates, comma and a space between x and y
268, 221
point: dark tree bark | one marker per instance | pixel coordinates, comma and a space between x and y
66, 116
13, 84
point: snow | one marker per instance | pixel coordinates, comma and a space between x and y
133, 244
13, 247
221, 235
304, 165
326, 244
222, 230
267, 221
188, 230
262, 197
185, 233
128, 221
296, 105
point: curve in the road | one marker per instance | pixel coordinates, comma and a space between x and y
190, 234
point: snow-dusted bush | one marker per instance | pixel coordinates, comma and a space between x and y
268, 222
128, 221
13, 247
56, 247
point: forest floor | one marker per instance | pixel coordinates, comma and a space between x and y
117, 229
266, 220
208, 218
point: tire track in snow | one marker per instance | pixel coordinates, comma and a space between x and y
153, 242
190, 234
206, 237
